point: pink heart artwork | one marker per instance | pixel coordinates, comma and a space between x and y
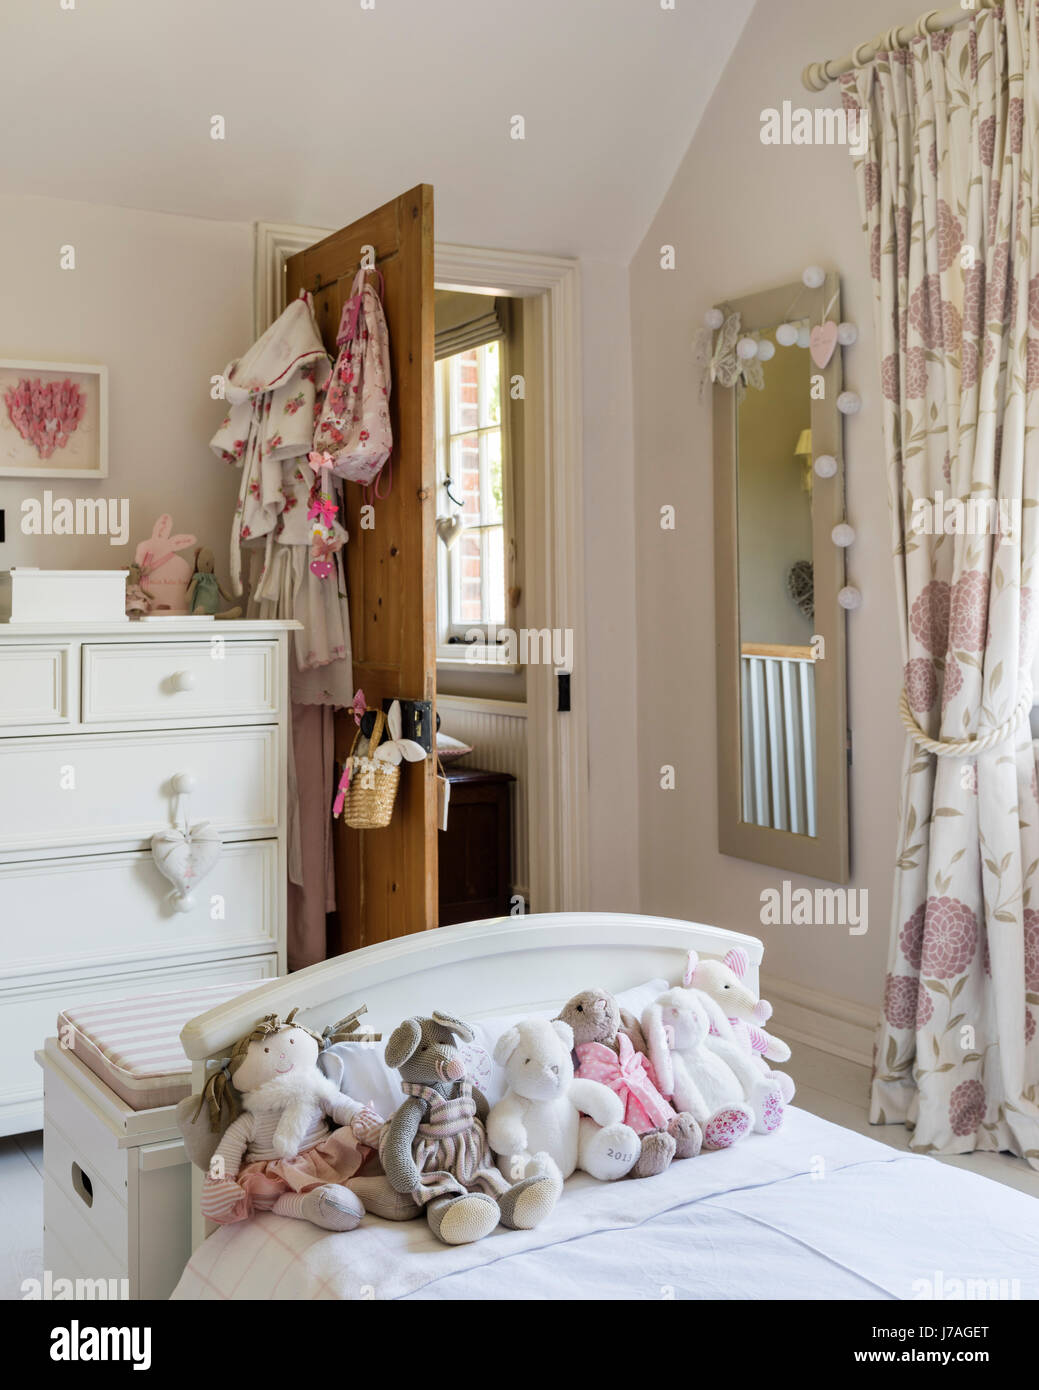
46, 413
322, 568
822, 342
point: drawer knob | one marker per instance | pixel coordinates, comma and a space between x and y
183, 680
183, 783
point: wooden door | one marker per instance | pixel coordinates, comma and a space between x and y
386, 880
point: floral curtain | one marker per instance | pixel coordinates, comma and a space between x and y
948, 190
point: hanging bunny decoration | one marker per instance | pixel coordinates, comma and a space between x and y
394, 748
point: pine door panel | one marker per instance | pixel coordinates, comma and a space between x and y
386, 880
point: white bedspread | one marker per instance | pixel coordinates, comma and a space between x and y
814, 1211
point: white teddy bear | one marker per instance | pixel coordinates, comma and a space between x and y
542, 1109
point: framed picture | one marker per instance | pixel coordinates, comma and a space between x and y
53, 420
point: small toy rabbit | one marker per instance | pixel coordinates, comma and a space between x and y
279, 1153
677, 1026
204, 591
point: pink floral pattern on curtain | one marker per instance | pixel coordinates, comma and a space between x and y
948, 188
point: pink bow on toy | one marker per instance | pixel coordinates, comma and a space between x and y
322, 509
631, 1075
320, 462
360, 704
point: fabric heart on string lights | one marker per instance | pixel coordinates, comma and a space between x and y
185, 857
822, 342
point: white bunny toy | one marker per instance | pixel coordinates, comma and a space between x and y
541, 1113
677, 1026
724, 982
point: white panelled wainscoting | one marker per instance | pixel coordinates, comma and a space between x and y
497, 730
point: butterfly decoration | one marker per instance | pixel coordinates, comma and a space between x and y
393, 748
321, 551
719, 361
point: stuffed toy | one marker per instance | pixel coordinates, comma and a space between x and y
204, 591
677, 1026
434, 1148
609, 1047
577, 1123
279, 1153
724, 982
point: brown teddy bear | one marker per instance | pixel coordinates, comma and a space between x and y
609, 1047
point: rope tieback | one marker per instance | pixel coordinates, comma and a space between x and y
968, 747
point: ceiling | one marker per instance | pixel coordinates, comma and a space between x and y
331, 109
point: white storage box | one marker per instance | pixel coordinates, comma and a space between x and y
117, 1182
30, 595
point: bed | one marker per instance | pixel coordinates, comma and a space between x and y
812, 1211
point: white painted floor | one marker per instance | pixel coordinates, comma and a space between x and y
827, 1086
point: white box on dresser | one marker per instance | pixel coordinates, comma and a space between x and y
96, 722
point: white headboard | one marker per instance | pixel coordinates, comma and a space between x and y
507, 963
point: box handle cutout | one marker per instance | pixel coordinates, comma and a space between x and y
82, 1184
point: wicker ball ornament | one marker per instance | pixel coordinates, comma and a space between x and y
800, 583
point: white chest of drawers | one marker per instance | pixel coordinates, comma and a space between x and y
96, 722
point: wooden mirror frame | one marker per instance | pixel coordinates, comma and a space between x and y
824, 855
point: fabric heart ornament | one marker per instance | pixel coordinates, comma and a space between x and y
822, 342
185, 857
449, 528
45, 414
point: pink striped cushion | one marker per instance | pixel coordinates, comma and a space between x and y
133, 1045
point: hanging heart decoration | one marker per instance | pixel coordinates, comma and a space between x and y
449, 528
46, 413
185, 857
822, 342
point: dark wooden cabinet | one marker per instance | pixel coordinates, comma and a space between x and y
475, 851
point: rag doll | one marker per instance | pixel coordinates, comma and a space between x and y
724, 983
677, 1026
609, 1047
435, 1150
138, 598
577, 1123
204, 591
280, 1153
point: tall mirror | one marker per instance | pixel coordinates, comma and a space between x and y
783, 745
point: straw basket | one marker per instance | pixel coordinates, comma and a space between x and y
368, 804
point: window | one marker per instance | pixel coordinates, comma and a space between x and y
472, 486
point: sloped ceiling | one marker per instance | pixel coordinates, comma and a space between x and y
331, 109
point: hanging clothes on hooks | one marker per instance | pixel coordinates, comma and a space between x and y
354, 425
276, 392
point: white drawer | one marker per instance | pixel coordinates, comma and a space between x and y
71, 790
143, 682
33, 685
29, 1011
86, 912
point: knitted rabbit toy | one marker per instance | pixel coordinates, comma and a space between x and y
724, 982
609, 1048
578, 1123
677, 1026
435, 1146
279, 1153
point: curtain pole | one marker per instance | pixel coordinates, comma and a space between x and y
817, 76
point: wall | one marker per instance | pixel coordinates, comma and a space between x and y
744, 217
165, 302
613, 478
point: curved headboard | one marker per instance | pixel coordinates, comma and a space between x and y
506, 963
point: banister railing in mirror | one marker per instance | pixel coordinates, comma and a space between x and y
780, 533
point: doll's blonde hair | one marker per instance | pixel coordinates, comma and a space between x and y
219, 1093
